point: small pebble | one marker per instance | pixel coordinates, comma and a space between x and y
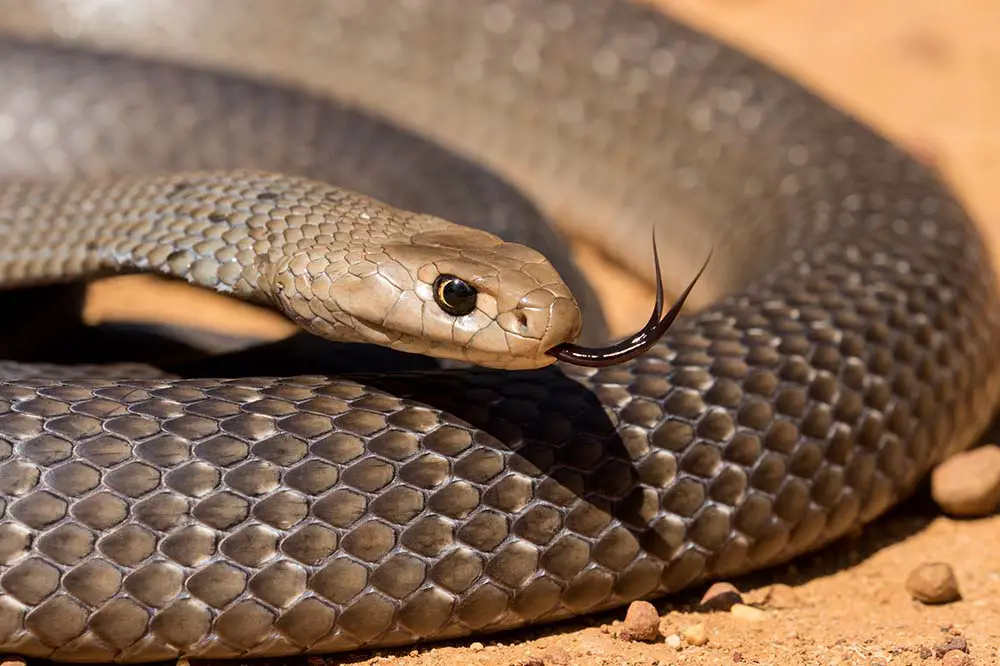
933, 583
556, 657
530, 660
956, 658
642, 622
477, 647
781, 596
748, 613
695, 634
968, 484
673, 641
956, 643
720, 596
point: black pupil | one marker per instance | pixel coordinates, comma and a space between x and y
458, 296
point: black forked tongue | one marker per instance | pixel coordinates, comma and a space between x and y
639, 342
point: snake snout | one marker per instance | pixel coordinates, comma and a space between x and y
565, 323
541, 320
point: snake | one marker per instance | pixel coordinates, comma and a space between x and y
402, 176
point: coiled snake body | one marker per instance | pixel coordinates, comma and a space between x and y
849, 343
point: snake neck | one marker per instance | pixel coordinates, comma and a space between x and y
215, 238
232, 232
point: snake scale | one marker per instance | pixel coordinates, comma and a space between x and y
845, 343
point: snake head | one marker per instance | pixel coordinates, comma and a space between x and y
449, 291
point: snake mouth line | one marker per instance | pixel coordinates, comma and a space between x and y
415, 344
639, 342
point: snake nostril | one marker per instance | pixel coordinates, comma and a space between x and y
522, 320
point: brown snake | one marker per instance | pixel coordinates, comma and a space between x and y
846, 345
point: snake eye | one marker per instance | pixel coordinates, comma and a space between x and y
454, 295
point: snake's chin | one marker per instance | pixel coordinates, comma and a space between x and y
379, 334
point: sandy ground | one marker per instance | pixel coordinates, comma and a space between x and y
926, 72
